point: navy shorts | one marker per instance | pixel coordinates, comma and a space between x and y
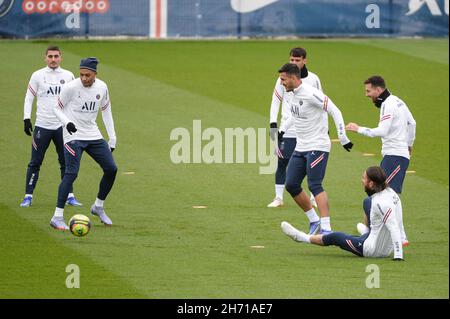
287, 147
98, 149
311, 164
40, 142
395, 168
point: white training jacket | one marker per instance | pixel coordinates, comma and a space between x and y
397, 128
45, 84
310, 108
278, 98
385, 219
80, 105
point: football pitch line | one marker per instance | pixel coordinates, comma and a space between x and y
163, 248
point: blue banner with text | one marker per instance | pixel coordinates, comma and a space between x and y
222, 18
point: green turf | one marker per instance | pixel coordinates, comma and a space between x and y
161, 247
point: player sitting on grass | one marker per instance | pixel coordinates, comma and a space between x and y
384, 235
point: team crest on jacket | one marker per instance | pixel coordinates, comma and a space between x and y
98, 96
5, 6
62, 81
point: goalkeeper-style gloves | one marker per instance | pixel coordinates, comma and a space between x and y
112, 144
27, 127
280, 137
71, 128
348, 146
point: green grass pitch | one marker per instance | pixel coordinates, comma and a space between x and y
161, 247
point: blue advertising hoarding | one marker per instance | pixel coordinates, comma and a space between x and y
222, 18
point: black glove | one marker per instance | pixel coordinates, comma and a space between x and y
27, 127
348, 146
273, 131
398, 259
280, 137
71, 128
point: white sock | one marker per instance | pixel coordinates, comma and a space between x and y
26, 195
312, 215
99, 202
325, 223
70, 195
279, 190
305, 237
59, 212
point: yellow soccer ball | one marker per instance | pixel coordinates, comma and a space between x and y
80, 225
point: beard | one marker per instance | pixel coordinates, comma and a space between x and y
369, 191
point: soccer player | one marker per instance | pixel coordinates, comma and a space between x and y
384, 236
77, 109
309, 108
45, 84
397, 129
298, 57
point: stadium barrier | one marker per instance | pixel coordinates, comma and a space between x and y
223, 18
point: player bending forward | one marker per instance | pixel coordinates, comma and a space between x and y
384, 235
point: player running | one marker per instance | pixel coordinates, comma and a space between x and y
397, 129
310, 108
298, 57
77, 109
384, 236
45, 84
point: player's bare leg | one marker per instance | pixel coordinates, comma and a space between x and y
316, 239
304, 202
324, 211
322, 204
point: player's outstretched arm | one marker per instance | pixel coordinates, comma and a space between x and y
383, 126
336, 114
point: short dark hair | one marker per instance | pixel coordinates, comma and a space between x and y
52, 48
376, 80
378, 177
298, 53
291, 69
